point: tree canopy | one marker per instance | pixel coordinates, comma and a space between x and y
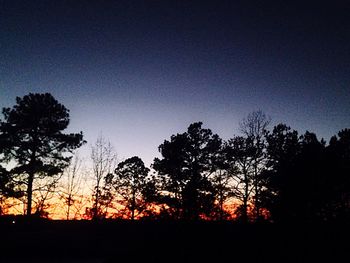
133, 184
188, 160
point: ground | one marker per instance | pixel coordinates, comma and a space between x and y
125, 241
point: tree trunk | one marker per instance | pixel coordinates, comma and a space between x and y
95, 215
257, 199
246, 196
69, 205
30, 194
133, 205
221, 199
132, 214
221, 208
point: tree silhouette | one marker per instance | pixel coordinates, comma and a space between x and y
253, 127
8, 189
309, 202
45, 191
240, 153
296, 181
282, 150
104, 160
71, 187
222, 179
31, 137
295, 178
132, 183
338, 170
188, 160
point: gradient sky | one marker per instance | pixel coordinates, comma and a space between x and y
140, 71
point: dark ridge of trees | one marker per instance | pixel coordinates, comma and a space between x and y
305, 180
268, 175
337, 156
273, 175
276, 175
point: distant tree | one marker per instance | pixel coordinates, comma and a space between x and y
107, 198
309, 170
240, 155
338, 179
306, 180
253, 128
70, 188
133, 184
8, 189
31, 139
44, 195
104, 161
222, 180
283, 147
186, 164
295, 185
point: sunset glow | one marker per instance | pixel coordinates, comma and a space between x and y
174, 131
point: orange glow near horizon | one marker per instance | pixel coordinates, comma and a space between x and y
57, 210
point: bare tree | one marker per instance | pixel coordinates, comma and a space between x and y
104, 161
239, 153
70, 190
44, 191
253, 127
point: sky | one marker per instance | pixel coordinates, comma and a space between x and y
139, 71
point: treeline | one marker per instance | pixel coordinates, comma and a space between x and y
264, 174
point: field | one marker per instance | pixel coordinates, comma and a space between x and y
154, 241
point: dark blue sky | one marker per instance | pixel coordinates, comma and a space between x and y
139, 71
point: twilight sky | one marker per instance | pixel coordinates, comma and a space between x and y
140, 71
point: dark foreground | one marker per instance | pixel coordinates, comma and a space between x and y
123, 241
